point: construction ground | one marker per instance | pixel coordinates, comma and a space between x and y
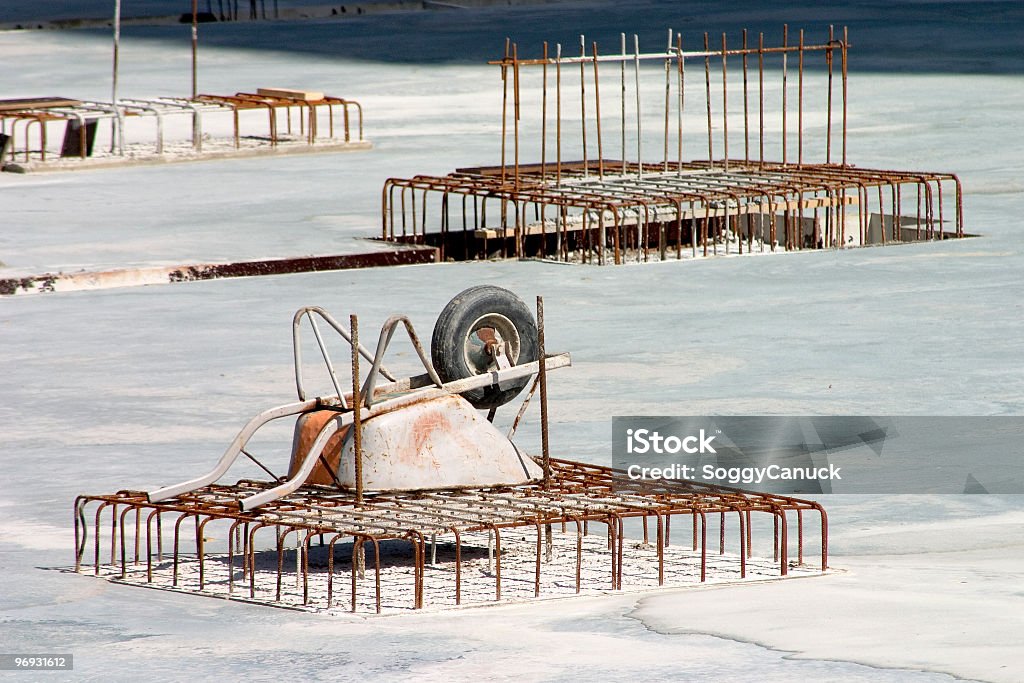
132, 387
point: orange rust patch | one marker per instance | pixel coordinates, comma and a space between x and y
422, 429
307, 426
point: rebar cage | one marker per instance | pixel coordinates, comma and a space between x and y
17, 118
592, 208
253, 566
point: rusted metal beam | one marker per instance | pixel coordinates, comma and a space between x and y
55, 282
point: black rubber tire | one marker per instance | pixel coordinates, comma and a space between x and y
455, 325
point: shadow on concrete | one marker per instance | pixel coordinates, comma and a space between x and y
985, 37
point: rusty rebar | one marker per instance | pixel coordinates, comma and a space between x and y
725, 107
357, 450
577, 492
597, 114
542, 380
543, 117
583, 102
707, 97
785, 88
668, 100
800, 104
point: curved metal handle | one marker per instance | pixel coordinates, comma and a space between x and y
308, 311
312, 456
232, 453
387, 331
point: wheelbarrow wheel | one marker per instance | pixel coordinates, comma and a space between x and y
458, 346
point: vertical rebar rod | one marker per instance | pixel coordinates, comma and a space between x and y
521, 230
800, 104
828, 119
195, 45
707, 98
116, 121
558, 114
385, 207
622, 98
938, 189
639, 124
668, 98
846, 35
746, 108
896, 209
725, 112
707, 223
423, 215
401, 202
504, 106
959, 192
785, 78
597, 113
760, 97
680, 68
865, 232
357, 451
543, 379
583, 102
842, 216
515, 111
919, 210
544, 117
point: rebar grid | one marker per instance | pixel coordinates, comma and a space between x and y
694, 207
576, 494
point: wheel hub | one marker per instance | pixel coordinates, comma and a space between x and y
493, 338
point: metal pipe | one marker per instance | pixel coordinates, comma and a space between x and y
119, 122
195, 46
